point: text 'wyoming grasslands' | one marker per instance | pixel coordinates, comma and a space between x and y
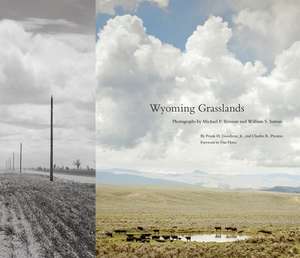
191, 110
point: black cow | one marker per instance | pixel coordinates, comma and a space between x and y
130, 237
108, 234
234, 229
265, 231
174, 237
166, 237
188, 238
145, 236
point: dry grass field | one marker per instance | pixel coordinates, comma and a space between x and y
193, 210
43, 219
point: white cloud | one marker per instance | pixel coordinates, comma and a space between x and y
39, 23
266, 28
210, 39
135, 69
145, 74
32, 68
108, 6
281, 89
209, 63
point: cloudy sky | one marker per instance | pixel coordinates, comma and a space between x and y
47, 48
160, 51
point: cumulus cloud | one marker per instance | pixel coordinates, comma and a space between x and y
135, 69
285, 79
145, 74
108, 6
266, 28
34, 66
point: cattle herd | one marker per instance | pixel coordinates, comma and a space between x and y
144, 236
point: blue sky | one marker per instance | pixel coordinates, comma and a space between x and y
255, 36
175, 24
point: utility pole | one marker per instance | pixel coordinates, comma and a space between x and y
21, 157
51, 141
13, 161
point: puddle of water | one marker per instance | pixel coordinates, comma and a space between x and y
218, 238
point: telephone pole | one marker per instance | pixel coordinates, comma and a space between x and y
21, 157
13, 161
51, 141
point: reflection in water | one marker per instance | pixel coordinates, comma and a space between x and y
219, 238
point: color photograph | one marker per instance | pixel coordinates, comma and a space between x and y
197, 128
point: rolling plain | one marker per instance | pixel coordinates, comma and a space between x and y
271, 220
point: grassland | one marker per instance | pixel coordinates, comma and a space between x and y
179, 210
43, 219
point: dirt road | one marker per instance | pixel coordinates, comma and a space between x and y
43, 219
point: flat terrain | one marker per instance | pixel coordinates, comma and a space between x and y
191, 210
74, 172
39, 218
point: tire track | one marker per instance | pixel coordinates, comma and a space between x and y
5, 241
43, 219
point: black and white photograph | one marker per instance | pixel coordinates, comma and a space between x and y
47, 128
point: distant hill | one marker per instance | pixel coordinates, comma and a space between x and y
112, 178
199, 178
283, 189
